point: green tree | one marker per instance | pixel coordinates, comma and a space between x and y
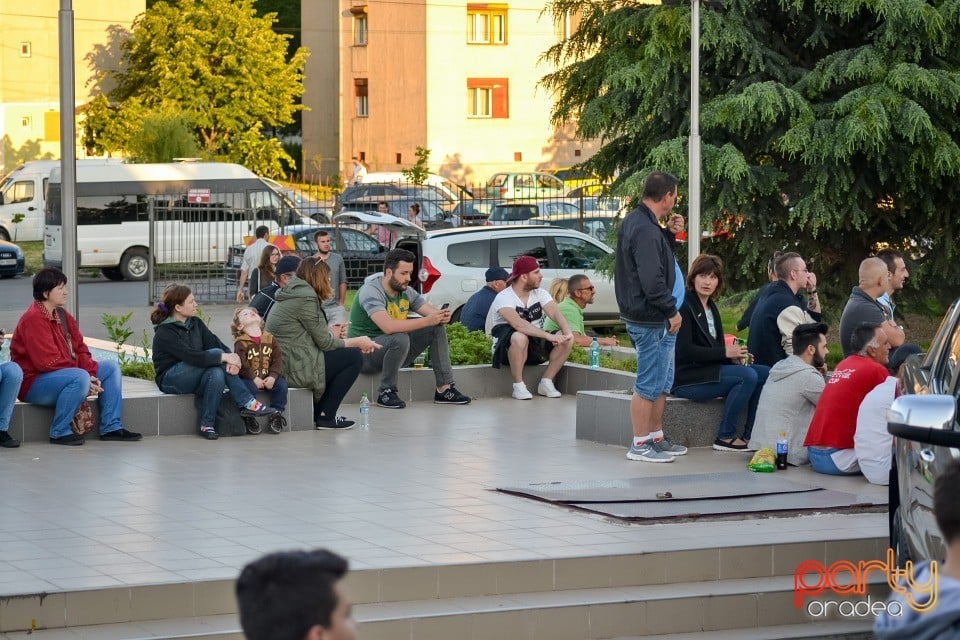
162, 138
828, 126
417, 174
216, 63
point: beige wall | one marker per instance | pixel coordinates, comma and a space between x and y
321, 24
29, 86
417, 63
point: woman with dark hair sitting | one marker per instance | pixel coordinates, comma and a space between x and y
706, 368
315, 355
189, 358
58, 370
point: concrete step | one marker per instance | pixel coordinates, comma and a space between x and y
744, 607
493, 586
148, 411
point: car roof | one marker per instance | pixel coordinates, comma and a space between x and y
522, 229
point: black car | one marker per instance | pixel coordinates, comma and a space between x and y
11, 260
362, 254
389, 191
925, 423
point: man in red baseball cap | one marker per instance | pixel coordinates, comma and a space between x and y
517, 316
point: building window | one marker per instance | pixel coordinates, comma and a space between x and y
359, 26
360, 93
486, 24
488, 98
26, 122
25, 50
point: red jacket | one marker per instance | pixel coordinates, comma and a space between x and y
38, 346
835, 419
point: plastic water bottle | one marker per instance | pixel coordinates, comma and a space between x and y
594, 354
364, 412
782, 451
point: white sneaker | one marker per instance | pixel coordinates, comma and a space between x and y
546, 388
520, 392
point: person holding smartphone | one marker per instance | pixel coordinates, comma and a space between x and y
11, 376
381, 311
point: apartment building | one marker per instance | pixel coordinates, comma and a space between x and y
29, 65
459, 78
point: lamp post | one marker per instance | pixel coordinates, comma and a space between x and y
68, 157
693, 207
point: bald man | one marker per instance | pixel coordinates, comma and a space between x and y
862, 306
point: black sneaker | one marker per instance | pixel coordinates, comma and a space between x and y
71, 440
208, 432
339, 423
263, 411
450, 396
121, 435
7, 441
276, 423
253, 425
388, 399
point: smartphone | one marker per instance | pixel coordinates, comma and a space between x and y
446, 305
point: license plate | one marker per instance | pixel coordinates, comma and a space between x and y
8, 262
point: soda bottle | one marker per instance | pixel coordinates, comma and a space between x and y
364, 412
782, 451
594, 354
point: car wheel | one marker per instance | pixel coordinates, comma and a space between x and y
112, 273
135, 265
900, 548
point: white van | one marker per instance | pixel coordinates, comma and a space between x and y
199, 209
22, 192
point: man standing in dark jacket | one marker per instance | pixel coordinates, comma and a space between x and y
646, 283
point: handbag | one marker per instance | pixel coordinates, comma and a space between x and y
83, 422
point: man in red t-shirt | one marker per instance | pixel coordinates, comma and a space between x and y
830, 437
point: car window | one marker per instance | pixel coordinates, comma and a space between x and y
306, 244
549, 182
523, 180
357, 241
559, 208
577, 253
497, 180
509, 249
475, 253
21, 192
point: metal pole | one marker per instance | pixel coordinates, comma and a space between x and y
693, 209
68, 156
152, 243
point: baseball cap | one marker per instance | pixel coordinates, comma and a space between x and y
523, 265
287, 264
496, 273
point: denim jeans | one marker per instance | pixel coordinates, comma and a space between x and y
11, 375
740, 387
208, 383
655, 360
278, 395
400, 350
821, 460
65, 389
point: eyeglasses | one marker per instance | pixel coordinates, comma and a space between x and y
590, 288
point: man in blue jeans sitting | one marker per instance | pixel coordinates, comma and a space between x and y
646, 283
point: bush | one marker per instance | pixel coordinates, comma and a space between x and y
468, 347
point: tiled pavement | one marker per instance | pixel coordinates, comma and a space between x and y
414, 490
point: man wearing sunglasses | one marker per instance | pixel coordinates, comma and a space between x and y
580, 293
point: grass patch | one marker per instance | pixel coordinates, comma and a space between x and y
33, 256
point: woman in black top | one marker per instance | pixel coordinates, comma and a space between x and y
706, 367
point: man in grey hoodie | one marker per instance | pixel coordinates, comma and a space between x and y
931, 611
791, 392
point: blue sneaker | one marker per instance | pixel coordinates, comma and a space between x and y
648, 452
670, 448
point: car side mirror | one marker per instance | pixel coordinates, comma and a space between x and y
928, 419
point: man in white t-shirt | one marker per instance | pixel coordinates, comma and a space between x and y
516, 325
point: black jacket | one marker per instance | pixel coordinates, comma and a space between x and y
771, 327
644, 273
188, 342
699, 355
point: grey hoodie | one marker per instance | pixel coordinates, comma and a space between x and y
786, 404
942, 623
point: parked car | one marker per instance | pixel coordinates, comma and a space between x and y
473, 212
925, 424
509, 186
573, 177
521, 212
362, 255
432, 216
419, 193
593, 224
452, 190
11, 260
450, 263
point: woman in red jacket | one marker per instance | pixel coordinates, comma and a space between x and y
58, 370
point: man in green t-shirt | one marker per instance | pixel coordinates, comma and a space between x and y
380, 312
580, 293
